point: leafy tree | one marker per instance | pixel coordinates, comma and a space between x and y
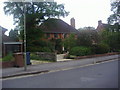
13, 34
112, 39
115, 7
35, 12
87, 38
69, 42
111, 34
86, 28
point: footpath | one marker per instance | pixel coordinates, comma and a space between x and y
46, 67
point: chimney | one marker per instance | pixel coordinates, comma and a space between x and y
99, 22
72, 21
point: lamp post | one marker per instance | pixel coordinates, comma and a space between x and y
25, 63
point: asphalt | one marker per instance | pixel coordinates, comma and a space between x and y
47, 67
102, 75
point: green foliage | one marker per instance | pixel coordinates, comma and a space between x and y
13, 34
69, 42
41, 46
87, 37
33, 56
35, 33
115, 7
35, 12
0, 59
58, 45
112, 39
45, 49
40, 49
86, 28
100, 48
9, 57
80, 51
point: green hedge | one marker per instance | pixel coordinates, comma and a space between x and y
101, 48
80, 51
40, 49
9, 57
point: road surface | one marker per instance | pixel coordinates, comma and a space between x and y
104, 75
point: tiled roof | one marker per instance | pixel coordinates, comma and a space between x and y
53, 25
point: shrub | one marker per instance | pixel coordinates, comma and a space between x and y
80, 51
34, 56
69, 42
101, 48
40, 49
58, 45
42, 46
45, 49
9, 57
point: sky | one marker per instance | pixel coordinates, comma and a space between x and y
85, 12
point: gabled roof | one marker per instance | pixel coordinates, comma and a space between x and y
53, 25
101, 26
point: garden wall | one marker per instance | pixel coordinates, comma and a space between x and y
7, 64
47, 56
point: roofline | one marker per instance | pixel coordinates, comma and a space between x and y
13, 43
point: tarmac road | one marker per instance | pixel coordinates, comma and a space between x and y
103, 75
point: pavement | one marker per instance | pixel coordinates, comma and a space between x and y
46, 67
102, 75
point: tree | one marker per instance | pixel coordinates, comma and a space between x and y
111, 35
13, 34
115, 7
69, 42
87, 38
112, 39
87, 28
35, 12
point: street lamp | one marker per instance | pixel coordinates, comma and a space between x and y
25, 63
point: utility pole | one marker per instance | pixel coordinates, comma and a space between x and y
25, 62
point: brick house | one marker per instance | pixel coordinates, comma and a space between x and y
57, 29
102, 26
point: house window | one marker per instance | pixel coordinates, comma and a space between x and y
56, 35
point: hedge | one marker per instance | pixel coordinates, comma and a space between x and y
80, 51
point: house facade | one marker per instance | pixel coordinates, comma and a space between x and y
102, 26
57, 29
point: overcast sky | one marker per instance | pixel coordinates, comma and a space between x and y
85, 12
